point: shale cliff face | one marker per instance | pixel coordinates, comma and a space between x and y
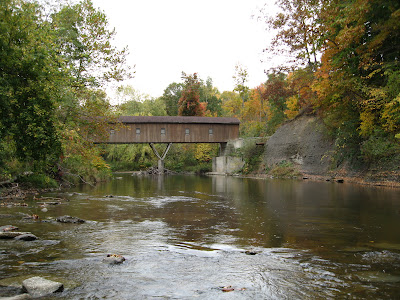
304, 142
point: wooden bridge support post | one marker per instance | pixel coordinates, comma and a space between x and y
160, 163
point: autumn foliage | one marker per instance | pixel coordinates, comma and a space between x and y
189, 103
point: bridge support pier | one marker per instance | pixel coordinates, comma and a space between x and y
222, 148
160, 163
160, 166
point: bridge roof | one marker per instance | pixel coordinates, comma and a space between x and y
177, 120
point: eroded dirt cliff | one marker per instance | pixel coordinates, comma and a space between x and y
304, 142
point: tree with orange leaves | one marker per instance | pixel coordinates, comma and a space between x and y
189, 104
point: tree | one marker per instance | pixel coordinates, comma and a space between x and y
210, 95
231, 104
138, 104
85, 43
298, 32
276, 93
253, 117
241, 78
171, 97
189, 103
51, 68
28, 82
358, 79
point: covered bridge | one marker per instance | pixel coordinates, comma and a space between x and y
168, 130
160, 129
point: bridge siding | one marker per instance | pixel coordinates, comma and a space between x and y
174, 133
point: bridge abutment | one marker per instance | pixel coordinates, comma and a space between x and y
226, 165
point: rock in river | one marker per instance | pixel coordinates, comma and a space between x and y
12, 234
26, 237
114, 259
18, 297
39, 287
69, 219
7, 228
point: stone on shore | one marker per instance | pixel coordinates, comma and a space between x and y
69, 219
39, 287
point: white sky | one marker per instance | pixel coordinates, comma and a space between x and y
166, 37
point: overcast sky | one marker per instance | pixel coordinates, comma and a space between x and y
166, 37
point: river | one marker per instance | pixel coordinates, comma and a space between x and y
188, 237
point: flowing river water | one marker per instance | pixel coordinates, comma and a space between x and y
187, 237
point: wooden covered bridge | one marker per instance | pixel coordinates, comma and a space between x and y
168, 130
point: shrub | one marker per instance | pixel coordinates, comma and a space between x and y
380, 148
38, 181
284, 169
252, 156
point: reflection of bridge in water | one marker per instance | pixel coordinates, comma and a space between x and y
168, 130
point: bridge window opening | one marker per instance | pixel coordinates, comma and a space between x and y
187, 131
162, 131
112, 131
210, 131
137, 130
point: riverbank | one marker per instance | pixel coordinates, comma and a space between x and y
303, 148
337, 179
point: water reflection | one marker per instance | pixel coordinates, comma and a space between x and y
184, 236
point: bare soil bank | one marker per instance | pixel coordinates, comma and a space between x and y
305, 143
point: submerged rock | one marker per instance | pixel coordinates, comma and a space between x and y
114, 259
8, 228
12, 234
39, 287
69, 219
31, 217
26, 237
17, 297
8, 291
377, 277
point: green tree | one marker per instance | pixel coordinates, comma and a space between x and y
85, 43
241, 78
171, 97
138, 104
210, 95
28, 83
298, 32
51, 70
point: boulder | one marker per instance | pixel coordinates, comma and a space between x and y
11, 234
114, 259
26, 237
7, 228
39, 287
69, 219
7, 291
17, 297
